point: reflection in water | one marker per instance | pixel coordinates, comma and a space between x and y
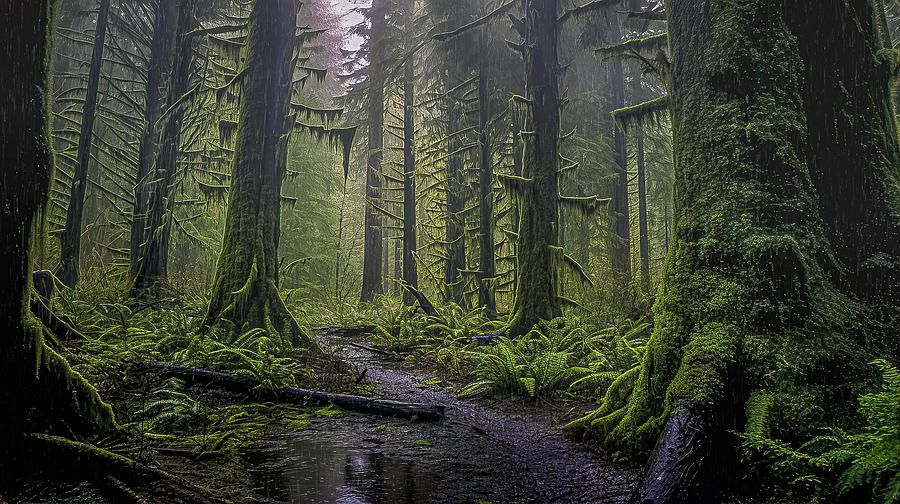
325, 472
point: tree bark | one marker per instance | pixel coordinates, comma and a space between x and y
536, 295
847, 104
642, 188
245, 291
619, 208
161, 50
455, 239
410, 269
486, 269
70, 237
41, 391
153, 265
372, 242
753, 315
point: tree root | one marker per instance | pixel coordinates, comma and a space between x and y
115, 473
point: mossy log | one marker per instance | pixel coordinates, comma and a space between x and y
488, 339
295, 395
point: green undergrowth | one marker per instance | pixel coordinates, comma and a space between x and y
197, 432
867, 461
564, 358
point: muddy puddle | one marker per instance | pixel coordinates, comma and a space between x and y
338, 470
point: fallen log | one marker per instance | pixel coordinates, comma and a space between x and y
344, 331
295, 395
424, 304
489, 339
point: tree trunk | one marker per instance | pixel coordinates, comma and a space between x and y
410, 269
847, 104
152, 268
372, 244
536, 296
751, 319
455, 239
161, 50
245, 291
41, 391
70, 237
619, 208
486, 270
518, 168
642, 188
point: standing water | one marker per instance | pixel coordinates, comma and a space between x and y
336, 471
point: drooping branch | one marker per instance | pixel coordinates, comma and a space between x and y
649, 112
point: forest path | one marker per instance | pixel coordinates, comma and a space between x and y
477, 453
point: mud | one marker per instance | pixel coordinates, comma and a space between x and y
479, 452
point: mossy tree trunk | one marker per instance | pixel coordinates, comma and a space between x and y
41, 391
70, 237
486, 268
643, 225
536, 294
410, 268
455, 239
619, 209
852, 146
161, 49
153, 264
372, 242
754, 314
245, 291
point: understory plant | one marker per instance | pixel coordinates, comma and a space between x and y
556, 358
867, 461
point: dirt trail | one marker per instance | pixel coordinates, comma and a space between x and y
478, 453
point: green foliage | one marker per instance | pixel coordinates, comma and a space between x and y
252, 354
868, 460
557, 358
876, 450
614, 351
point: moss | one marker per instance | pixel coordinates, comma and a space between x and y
67, 397
749, 315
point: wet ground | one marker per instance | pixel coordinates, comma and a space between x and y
478, 453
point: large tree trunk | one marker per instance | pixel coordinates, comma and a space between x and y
40, 389
372, 242
536, 297
410, 269
161, 49
70, 237
751, 319
245, 291
486, 270
643, 225
620, 244
455, 239
152, 267
847, 104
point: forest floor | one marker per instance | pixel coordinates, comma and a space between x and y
500, 452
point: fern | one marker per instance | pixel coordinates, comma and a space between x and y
876, 451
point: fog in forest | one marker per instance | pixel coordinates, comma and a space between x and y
473, 251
